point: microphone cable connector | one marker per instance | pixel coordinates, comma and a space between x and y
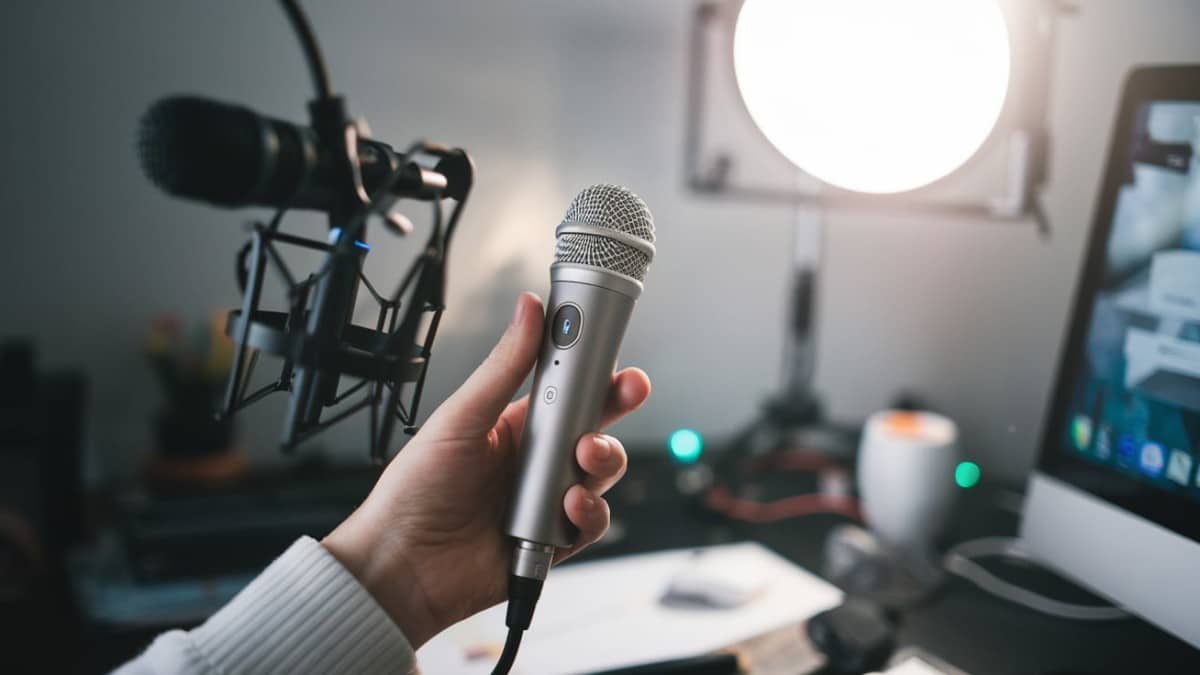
530, 564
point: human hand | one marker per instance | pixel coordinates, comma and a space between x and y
428, 543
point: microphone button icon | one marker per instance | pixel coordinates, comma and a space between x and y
566, 325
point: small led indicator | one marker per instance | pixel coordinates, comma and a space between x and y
685, 445
335, 235
966, 474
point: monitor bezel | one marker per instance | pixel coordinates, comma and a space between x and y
1175, 512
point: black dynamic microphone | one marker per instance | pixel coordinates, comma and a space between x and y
231, 156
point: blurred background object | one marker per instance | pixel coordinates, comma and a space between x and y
959, 296
191, 444
559, 85
42, 512
952, 297
964, 136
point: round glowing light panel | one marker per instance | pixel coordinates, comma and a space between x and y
873, 95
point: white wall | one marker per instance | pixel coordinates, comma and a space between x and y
548, 97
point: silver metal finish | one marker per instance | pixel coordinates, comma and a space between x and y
629, 240
603, 252
591, 276
608, 227
532, 561
612, 207
1143, 567
580, 377
604, 247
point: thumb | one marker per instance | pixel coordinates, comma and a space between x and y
477, 404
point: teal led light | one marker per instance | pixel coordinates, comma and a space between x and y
966, 474
686, 445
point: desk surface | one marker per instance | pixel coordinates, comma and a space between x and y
963, 625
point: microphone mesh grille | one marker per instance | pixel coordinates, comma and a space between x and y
615, 208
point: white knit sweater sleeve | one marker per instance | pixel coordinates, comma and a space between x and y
304, 614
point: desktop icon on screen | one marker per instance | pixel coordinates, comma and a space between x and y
1126, 450
1104, 442
1152, 458
1179, 467
1081, 432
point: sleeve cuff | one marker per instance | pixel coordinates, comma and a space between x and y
304, 614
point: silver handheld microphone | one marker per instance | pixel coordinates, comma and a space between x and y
604, 247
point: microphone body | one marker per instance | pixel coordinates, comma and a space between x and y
231, 156
604, 247
586, 318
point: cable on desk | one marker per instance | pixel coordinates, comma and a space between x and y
719, 499
959, 562
833, 497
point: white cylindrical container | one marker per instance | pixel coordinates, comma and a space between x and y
906, 464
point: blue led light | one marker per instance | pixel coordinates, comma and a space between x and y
685, 445
335, 235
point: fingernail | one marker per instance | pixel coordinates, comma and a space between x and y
603, 448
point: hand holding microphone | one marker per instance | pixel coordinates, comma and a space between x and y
428, 542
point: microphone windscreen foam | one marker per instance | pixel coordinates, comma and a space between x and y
200, 149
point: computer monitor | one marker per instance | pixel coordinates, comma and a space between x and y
1115, 500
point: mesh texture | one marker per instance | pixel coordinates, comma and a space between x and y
616, 208
586, 249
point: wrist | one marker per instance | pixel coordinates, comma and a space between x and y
383, 570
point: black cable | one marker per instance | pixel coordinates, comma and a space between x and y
511, 644
523, 594
308, 42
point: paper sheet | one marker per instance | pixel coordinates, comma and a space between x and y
607, 614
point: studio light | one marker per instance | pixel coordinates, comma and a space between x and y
877, 96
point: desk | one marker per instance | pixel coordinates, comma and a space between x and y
963, 625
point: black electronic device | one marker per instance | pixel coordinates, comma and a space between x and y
231, 156
856, 636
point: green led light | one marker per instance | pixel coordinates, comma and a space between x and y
685, 445
966, 474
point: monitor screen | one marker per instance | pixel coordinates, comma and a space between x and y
1128, 427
